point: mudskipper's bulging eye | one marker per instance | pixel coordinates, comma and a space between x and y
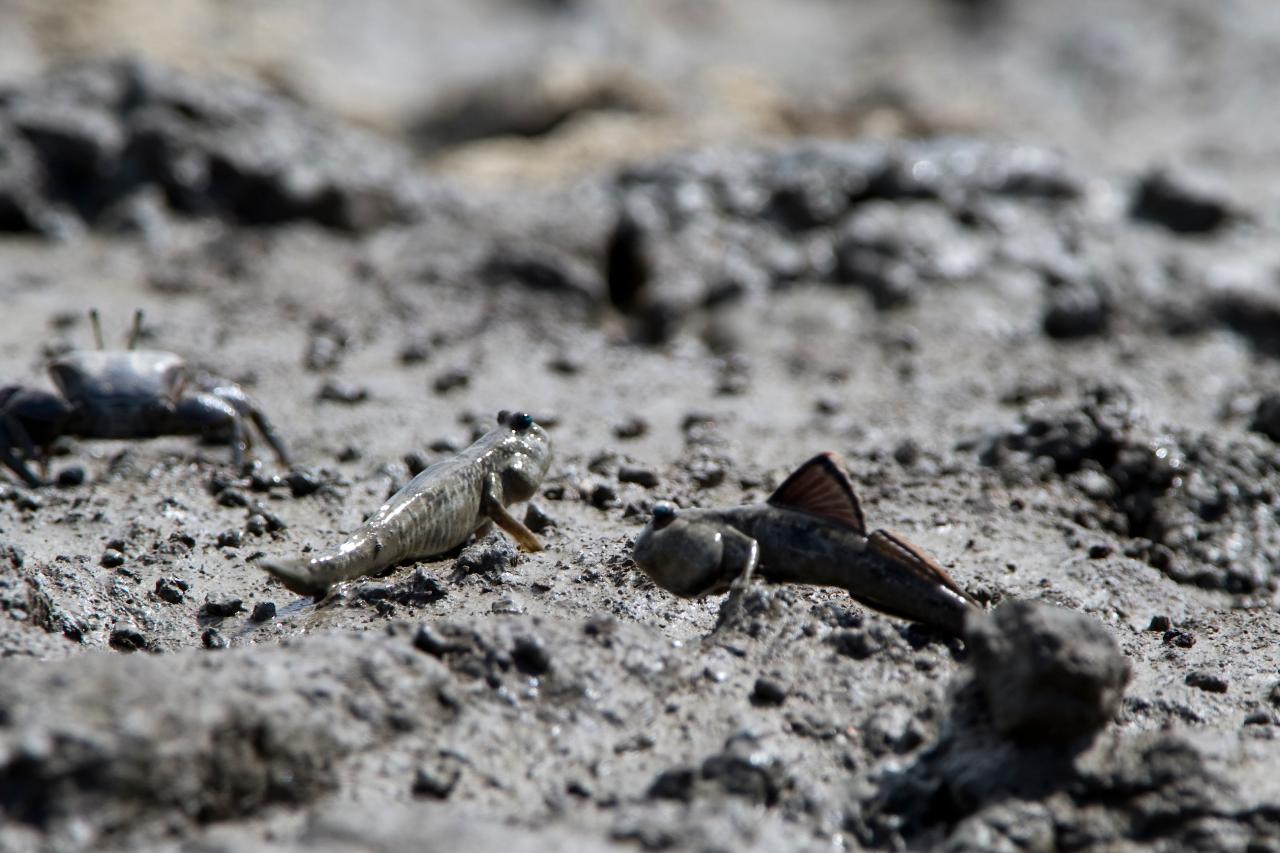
663, 514
521, 421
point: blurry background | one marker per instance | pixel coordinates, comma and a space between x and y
534, 90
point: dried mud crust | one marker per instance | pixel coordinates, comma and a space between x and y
1041, 387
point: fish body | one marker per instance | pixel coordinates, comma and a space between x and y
810, 531
438, 510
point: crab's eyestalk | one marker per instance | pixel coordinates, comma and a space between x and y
663, 514
135, 334
521, 421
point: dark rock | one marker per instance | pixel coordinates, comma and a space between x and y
437, 779
1266, 417
530, 656
71, 476
1099, 550
426, 639
640, 476
907, 453
416, 463
256, 524
127, 638
1206, 681
263, 611
1160, 623
744, 772
230, 497
221, 607
170, 590
1174, 199
768, 692
1076, 311
111, 558
415, 352
28, 502
537, 520
1047, 673
303, 482
342, 392
603, 496
1180, 638
675, 784
212, 639
230, 539
451, 380
633, 427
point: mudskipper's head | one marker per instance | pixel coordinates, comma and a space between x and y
680, 552
526, 454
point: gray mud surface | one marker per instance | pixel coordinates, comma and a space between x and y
1052, 362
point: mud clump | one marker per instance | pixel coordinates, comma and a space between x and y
1047, 673
1198, 506
101, 143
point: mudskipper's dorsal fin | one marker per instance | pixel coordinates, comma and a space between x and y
821, 487
912, 558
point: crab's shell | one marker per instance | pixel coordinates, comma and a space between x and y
96, 378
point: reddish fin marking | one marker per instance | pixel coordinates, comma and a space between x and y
821, 487
891, 545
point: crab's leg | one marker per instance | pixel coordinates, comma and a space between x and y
13, 462
235, 396
210, 415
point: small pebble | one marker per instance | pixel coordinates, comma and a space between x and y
126, 638
640, 476
437, 780
71, 476
302, 482
222, 607
29, 502
416, 463
907, 453
1206, 681
1160, 623
768, 692
1099, 550
530, 656
350, 453
230, 539
342, 392
170, 590
264, 611
537, 520
232, 498
111, 558
1179, 638
415, 352
603, 496
451, 380
213, 639
256, 524
632, 427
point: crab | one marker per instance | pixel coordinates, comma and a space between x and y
122, 394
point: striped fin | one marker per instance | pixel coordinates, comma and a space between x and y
821, 487
912, 558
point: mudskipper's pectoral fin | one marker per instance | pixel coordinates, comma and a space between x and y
821, 487
741, 556
497, 513
913, 559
